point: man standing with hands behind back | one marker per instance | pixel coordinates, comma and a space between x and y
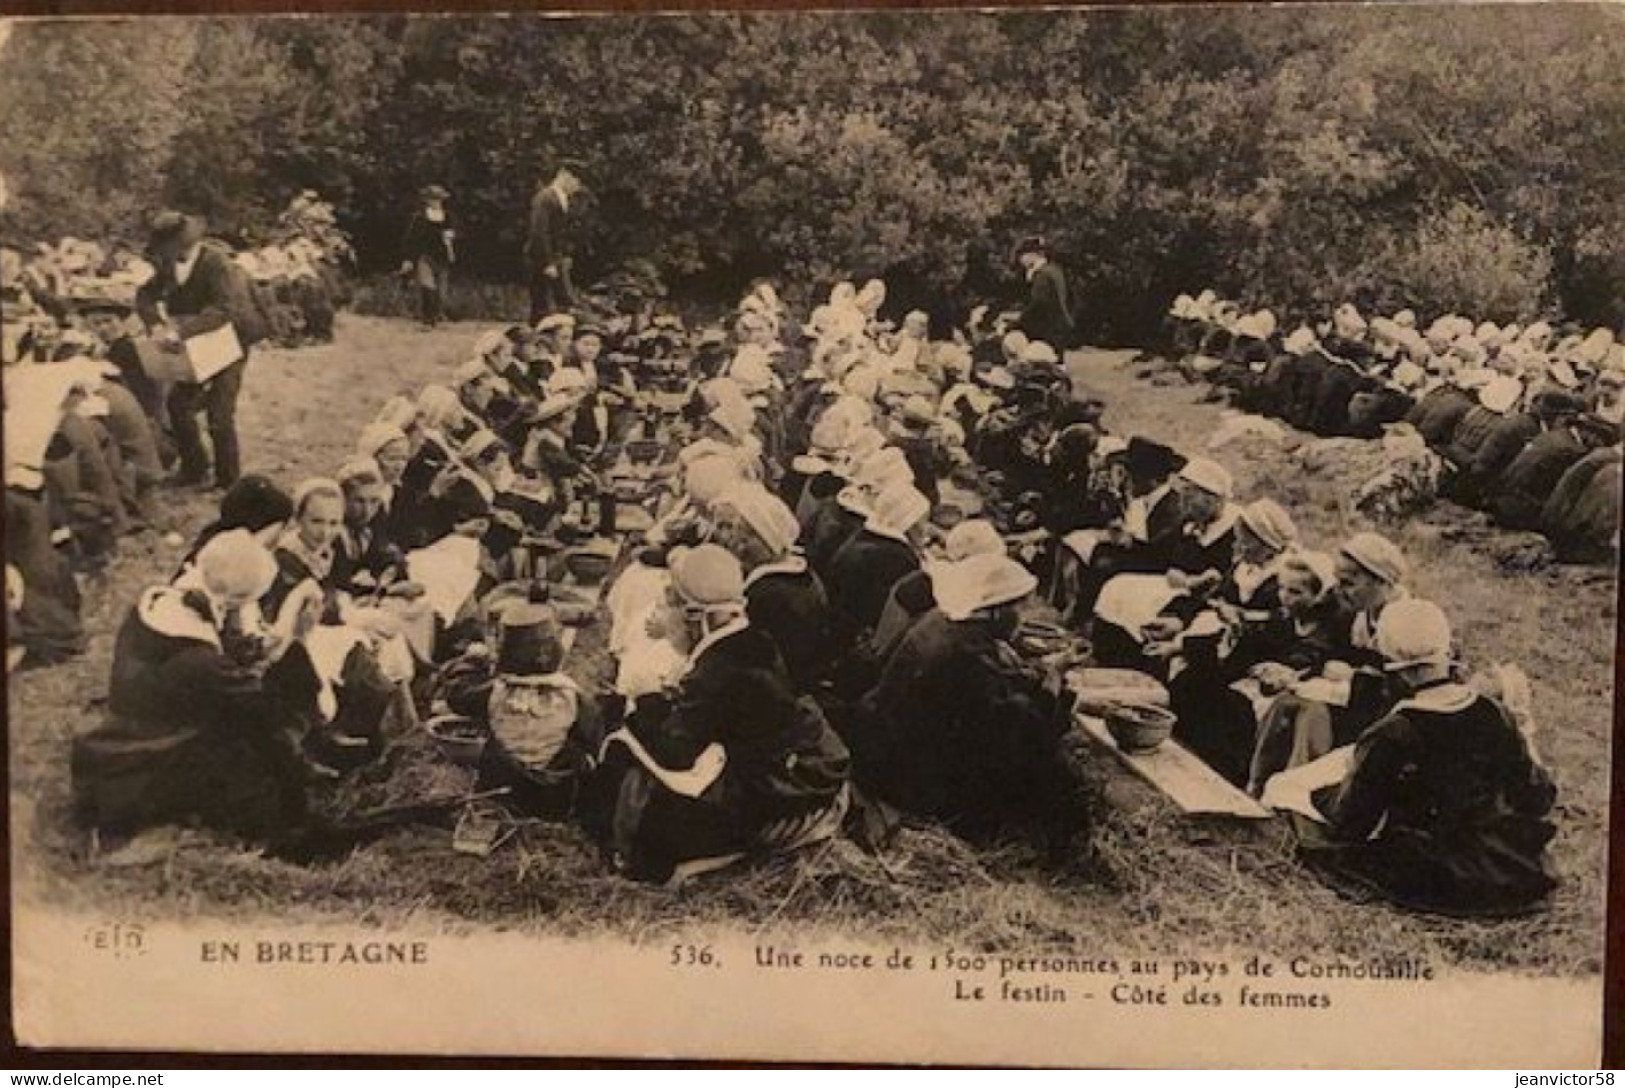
1048, 313
549, 244
197, 289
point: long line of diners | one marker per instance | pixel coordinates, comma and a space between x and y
853, 576
1523, 421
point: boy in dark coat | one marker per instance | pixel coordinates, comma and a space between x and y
427, 253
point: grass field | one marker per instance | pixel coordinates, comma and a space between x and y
1150, 882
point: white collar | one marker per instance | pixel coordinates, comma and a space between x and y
852, 499
790, 564
1446, 698
564, 197
732, 627
183, 267
163, 609
555, 680
1250, 576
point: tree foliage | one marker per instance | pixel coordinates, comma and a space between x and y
1460, 157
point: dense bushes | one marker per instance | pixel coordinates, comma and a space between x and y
1457, 158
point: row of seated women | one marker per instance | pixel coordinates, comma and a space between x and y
1275, 657
802, 642
332, 611
1526, 429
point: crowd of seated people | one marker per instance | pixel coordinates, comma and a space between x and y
818, 627
89, 434
1524, 419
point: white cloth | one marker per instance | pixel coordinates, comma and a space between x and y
1131, 601
1292, 790
448, 570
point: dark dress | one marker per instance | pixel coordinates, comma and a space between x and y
1458, 806
827, 531
957, 729
786, 601
1533, 475
783, 762
860, 581
192, 733
1582, 516
1506, 439
1437, 414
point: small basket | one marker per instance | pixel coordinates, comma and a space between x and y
1139, 729
459, 739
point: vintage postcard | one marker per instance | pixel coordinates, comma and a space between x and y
1051, 537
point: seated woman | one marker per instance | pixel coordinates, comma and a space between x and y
365, 559
1517, 498
388, 446
1446, 805
1582, 516
358, 679
1315, 716
840, 517
731, 763
81, 469
958, 727
915, 593
1133, 484
821, 471
783, 596
868, 567
206, 707
443, 425
1227, 674
1185, 547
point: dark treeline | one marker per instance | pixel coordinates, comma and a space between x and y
1456, 158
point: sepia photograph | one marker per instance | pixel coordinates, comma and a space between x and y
1080, 536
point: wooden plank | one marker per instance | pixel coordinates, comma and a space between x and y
1193, 786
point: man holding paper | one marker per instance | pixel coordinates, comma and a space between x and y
199, 312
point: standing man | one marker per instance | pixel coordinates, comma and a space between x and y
1047, 316
549, 244
428, 253
198, 289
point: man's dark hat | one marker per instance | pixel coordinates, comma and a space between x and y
1152, 460
173, 232
1033, 243
253, 503
529, 644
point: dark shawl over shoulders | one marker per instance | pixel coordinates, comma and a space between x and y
1444, 809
